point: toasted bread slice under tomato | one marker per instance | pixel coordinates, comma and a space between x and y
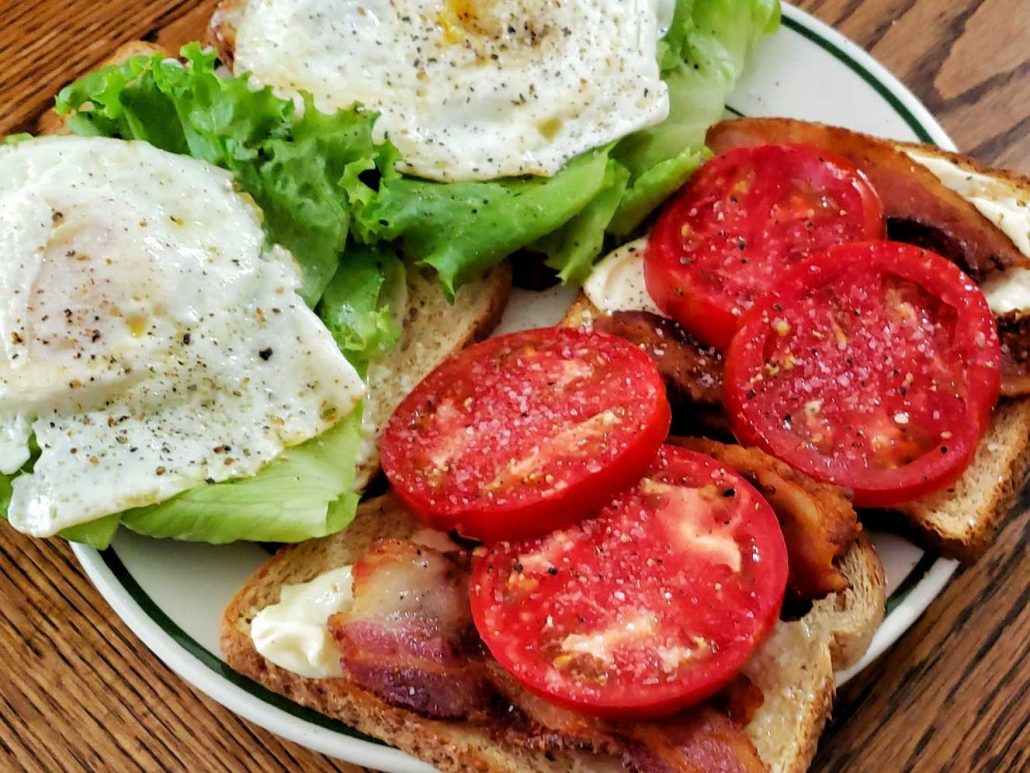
794, 669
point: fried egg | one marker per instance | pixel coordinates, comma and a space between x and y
469, 89
149, 339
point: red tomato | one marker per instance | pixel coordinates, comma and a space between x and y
873, 365
525, 433
646, 609
742, 219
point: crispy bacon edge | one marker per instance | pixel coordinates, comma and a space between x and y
705, 738
819, 524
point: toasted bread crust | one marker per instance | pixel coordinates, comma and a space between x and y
852, 616
831, 635
961, 520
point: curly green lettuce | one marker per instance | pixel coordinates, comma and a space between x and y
361, 305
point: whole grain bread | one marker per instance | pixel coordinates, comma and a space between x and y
795, 668
447, 745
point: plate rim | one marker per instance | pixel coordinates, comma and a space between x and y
248, 699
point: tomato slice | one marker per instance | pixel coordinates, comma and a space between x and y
646, 609
873, 365
525, 433
741, 220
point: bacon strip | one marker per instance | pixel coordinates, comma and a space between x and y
700, 740
692, 372
408, 636
912, 196
819, 524
690, 369
1014, 334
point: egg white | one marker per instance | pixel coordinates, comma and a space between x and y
148, 338
469, 89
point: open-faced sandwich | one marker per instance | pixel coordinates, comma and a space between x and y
556, 583
633, 540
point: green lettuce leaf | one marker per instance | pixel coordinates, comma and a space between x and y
307, 491
572, 248
97, 534
360, 305
301, 166
461, 229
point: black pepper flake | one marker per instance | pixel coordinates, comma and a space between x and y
265, 354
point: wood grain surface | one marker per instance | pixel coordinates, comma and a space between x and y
78, 691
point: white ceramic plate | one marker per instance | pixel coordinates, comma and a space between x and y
172, 594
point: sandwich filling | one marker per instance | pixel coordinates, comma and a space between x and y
150, 342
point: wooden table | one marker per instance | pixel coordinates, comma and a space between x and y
78, 691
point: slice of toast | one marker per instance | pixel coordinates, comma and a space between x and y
960, 520
794, 668
447, 745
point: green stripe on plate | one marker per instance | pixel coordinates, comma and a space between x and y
912, 579
889, 96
